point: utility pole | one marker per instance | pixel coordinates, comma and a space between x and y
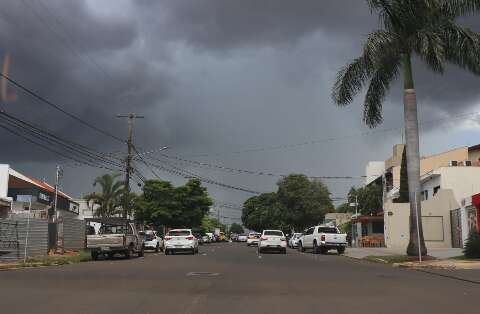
58, 174
128, 161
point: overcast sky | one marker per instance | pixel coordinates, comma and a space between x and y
213, 77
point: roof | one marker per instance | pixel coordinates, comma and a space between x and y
474, 148
37, 183
378, 217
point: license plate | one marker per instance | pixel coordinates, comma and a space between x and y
105, 248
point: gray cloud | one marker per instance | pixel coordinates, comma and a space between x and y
210, 76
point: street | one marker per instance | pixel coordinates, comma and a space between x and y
231, 278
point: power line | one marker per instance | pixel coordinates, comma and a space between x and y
331, 139
59, 108
244, 171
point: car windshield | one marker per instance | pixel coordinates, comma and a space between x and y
327, 230
179, 233
273, 233
149, 236
112, 229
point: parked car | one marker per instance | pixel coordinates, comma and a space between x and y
323, 238
253, 238
206, 239
234, 237
116, 235
180, 240
293, 241
272, 240
199, 238
242, 238
153, 241
211, 236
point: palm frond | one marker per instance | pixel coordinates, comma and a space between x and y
379, 85
430, 47
462, 47
351, 79
456, 8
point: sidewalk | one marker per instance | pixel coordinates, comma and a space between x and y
360, 253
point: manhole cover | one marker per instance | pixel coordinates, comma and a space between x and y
202, 273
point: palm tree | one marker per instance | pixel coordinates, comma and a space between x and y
423, 28
107, 202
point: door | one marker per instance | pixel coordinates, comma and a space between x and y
308, 238
456, 228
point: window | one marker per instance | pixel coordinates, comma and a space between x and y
309, 231
377, 227
273, 233
327, 230
435, 189
424, 195
179, 233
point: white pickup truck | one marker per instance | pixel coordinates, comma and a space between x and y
115, 235
323, 238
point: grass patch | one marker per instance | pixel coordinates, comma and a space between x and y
392, 259
71, 258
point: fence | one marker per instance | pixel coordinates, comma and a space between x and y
37, 243
9, 244
73, 233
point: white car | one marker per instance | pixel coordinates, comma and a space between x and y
180, 240
253, 238
323, 238
153, 241
242, 238
293, 242
272, 240
206, 239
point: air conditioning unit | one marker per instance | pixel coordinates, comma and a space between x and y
453, 163
467, 163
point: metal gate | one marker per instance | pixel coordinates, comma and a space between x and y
456, 228
9, 244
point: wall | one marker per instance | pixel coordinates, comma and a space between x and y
37, 243
396, 158
464, 181
435, 218
4, 180
373, 170
430, 184
433, 162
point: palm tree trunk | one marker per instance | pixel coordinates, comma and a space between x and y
413, 161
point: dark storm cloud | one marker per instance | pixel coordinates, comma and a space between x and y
210, 76
228, 24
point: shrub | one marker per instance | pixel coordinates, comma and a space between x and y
472, 246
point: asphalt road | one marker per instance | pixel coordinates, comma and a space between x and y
239, 282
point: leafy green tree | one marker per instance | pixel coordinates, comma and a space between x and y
163, 204
262, 212
403, 197
423, 28
297, 204
236, 228
306, 202
210, 223
370, 199
344, 208
107, 202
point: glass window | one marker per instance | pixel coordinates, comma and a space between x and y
435, 189
179, 233
327, 230
273, 233
309, 231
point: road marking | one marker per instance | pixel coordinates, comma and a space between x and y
202, 273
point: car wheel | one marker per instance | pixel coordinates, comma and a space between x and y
94, 256
340, 250
162, 248
315, 247
128, 252
157, 248
300, 247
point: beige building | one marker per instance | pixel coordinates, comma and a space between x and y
447, 179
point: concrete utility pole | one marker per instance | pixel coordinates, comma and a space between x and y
58, 174
128, 161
